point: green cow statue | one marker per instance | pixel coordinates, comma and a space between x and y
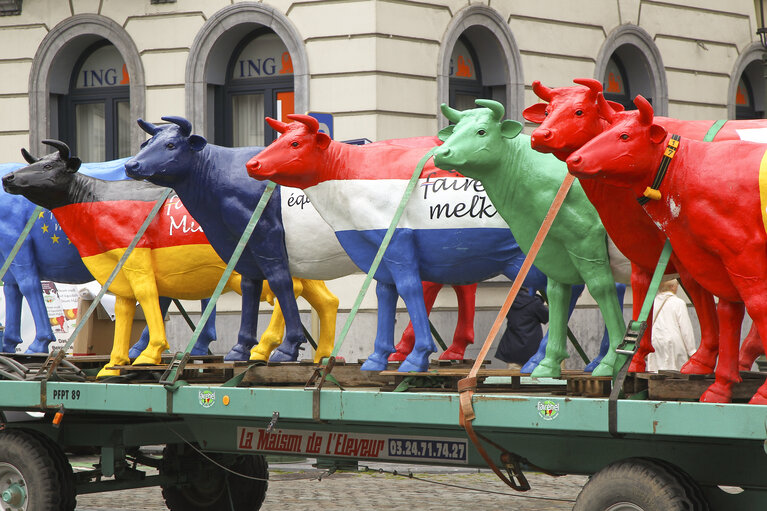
521, 184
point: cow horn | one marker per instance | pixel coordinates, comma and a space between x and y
542, 91
278, 126
309, 121
28, 157
61, 146
605, 110
496, 107
147, 126
452, 114
594, 85
645, 110
183, 124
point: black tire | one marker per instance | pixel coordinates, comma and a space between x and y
25, 463
64, 469
209, 486
639, 484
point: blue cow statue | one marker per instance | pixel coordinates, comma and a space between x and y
46, 254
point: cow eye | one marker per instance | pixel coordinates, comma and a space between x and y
545, 113
170, 145
47, 166
481, 133
294, 144
624, 136
579, 112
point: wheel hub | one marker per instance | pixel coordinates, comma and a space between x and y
14, 489
624, 506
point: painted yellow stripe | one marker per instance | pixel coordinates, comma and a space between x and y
186, 272
763, 188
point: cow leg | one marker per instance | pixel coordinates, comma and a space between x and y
125, 309
384, 343
703, 361
405, 345
29, 285
464, 327
12, 335
730, 315
143, 341
640, 283
282, 286
272, 336
556, 350
750, 349
539, 355
602, 288
326, 304
604, 346
208, 334
247, 336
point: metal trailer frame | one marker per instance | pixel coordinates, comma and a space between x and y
714, 444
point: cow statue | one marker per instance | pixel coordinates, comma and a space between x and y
521, 184
709, 202
449, 231
174, 157
102, 217
47, 255
571, 117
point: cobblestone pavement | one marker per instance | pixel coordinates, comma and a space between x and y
299, 487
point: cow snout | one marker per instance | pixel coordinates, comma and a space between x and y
132, 166
540, 137
575, 162
253, 166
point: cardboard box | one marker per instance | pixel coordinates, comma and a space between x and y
97, 336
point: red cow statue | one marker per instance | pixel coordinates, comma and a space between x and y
710, 205
574, 115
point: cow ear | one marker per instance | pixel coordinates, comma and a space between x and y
323, 140
197, 142
510, 129
73, 164
657, 134
535, 113
616, 106
445, 132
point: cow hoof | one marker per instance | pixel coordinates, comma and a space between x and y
529, 366
414, 364
593, 364
693, 366
9, 347
453, 354
759, 398
280, 356
375, 362
716, 393
107, 373
199, 350
603, 369
38, 346
546, 369
146, 360
238, 353
397, 356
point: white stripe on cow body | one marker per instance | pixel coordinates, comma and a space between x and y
365, 204
753, 135
313, 249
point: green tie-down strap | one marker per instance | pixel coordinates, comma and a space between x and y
176, 365
379, 255
17, 246
634, 333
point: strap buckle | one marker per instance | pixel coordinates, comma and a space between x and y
631, 338
512, 465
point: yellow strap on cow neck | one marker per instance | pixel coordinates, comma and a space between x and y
763, 189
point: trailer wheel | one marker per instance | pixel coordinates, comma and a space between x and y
68, 495
639, 484
29, 477
209, 487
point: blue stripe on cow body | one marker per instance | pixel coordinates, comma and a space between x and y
450, 256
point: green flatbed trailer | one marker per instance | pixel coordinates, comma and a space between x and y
686, 441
